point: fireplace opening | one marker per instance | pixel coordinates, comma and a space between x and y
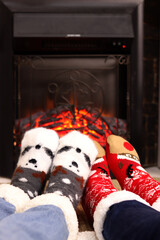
86, 93
91, 51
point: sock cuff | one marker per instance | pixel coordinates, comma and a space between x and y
47, 137
156, 204
104, 205
87, 235
14, 195
82, 141
64, 204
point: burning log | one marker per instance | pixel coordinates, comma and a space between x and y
63, 120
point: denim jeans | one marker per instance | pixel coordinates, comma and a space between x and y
127, 220
6, 209
46, 222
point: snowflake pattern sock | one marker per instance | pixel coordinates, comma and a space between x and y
72, 163
100, 196
98, 186
38, 148
123, 161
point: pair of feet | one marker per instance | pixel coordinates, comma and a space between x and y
64, 162
70, 164
123, 161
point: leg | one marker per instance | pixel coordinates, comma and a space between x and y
38, 147
124, 163
42, 223
6, 208
131, 220
71, 167
100, 197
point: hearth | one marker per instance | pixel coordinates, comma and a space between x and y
75, 66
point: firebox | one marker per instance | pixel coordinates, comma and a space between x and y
75, 66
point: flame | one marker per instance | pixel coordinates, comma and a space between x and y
66, 120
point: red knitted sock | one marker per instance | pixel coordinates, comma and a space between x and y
123, 161
98, 186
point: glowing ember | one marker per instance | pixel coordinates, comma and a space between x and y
63, 121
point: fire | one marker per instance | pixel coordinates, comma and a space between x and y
63, 121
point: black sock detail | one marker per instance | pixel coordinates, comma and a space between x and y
33, 161
38, 146
87, 159
64, 149
26, 150
49, 152
78, 150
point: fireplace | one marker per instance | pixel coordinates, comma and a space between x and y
72, 92
81, 62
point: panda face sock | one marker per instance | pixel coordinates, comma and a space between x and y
38, 148
72, 163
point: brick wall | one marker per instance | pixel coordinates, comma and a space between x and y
151, 82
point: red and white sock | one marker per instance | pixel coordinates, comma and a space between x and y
123, 161
100, 194
99, 186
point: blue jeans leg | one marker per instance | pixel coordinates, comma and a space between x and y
131, 220
44, 222
6, 208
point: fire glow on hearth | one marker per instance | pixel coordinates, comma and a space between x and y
63, 120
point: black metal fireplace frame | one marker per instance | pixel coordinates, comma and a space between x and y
17, 19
